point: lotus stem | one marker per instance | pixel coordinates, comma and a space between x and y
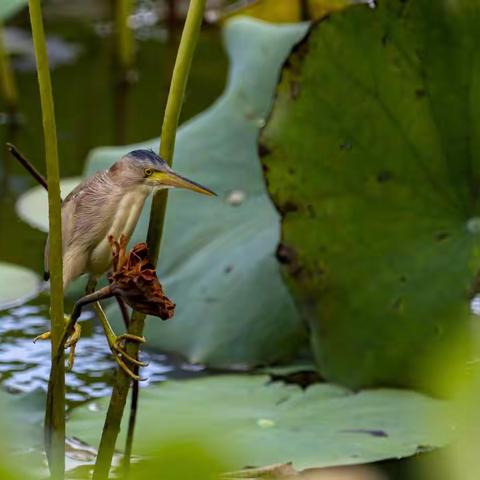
7, 79
54, 418
124, 34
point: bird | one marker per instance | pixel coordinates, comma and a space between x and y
108, 204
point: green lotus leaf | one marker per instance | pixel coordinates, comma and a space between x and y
372, 158
18, 284
217, 260
8, 8
267, 423
32, 205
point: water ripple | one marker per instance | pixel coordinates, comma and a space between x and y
24, 366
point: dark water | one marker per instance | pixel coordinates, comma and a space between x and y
93, 108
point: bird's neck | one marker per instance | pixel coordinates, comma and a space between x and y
124, 210
127, 212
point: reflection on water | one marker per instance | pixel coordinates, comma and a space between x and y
24, 366
18, 43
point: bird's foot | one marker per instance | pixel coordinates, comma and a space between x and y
70, 343
117, 346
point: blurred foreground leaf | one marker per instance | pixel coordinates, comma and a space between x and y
266, 423
460, 461
18, 284
287, 472
372, 157
21, 444
184, 459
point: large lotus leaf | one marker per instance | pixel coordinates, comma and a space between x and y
32, 205
372, 157
11, 7
217, 262
17, 284
267, 423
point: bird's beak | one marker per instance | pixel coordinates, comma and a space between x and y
174, 180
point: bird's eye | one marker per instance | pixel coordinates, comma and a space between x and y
148, 172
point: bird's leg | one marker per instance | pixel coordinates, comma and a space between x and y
73, 330
122, 305
115, 343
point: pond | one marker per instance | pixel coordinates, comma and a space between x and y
93, 108
237, 307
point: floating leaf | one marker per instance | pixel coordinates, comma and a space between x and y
8, 8
217, 261
267, 423
372, 159
18, 284
32, 205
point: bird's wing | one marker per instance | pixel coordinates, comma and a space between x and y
69, 206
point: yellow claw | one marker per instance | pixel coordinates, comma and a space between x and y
129, 336
119, 354
73, 339
43, 336
71, 342
124, 367
128, 357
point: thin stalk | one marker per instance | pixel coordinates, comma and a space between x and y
7, 79
54, 420
173, 109
27, 165
124, 34
181, 71
172, 13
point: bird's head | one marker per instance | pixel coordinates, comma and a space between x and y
146, 168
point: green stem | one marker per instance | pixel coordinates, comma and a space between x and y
124, 34
181, 71
7, 80
176, 95
55, 419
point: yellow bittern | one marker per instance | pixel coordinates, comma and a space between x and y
108, 204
